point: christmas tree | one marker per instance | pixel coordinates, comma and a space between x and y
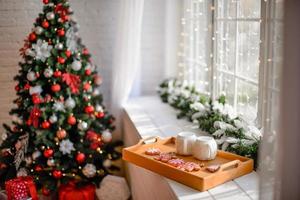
61, 132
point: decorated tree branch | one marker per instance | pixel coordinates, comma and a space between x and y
61, 131
215, 117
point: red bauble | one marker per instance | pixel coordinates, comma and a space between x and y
80, 158
27, 86
48, 153
64, 18
45, 191
57, 74
17, 88
36, 99
61, 32
100, 115
45, 24
45, 125
61, 60
88, 72
32, 37
68, 53
38, 168
86, 86
55, 88
45, 1
89, 109
57, 174
61, 134
71, 120
47, 98
85, 51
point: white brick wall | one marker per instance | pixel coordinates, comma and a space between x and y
98, 20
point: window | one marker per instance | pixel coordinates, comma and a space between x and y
236, 53
220, 51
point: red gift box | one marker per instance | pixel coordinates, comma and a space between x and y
71, 191
21, 188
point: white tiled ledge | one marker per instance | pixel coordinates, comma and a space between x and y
151, 117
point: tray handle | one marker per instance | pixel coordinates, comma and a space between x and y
234, 164
144, 140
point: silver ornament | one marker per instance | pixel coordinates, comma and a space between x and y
48, 73
82, 125
89, 170
51, 162
53, 119
50, 15
98, 108
106, 136
59, 46
38, 30
107, 163
70, 103
76, 65
36, 154
31, 76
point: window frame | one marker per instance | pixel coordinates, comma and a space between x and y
264, 62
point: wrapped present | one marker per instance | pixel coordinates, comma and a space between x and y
71, 191
21, 188
113, 188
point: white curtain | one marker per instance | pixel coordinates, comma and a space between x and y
126, 58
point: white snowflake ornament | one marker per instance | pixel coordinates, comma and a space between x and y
66, 146
42, 50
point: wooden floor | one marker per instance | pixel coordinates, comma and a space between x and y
148, 116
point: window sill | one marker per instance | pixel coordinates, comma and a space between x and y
149, 116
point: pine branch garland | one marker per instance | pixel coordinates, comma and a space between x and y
215, 117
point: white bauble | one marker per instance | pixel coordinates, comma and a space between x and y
99, 108
70, 103
53, 119
38, 30
29, 52
50, 15
59, 46
82, 125
31, 76
107, 163
76, 65
48, 73
89, 170
51, 162
106, 136
35, 90
36, 154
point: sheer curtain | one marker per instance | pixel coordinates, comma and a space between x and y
126, 58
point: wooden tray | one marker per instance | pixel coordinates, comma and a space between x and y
231, 165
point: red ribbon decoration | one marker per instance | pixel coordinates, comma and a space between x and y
13, 188
34, 117
70, 191
73, 81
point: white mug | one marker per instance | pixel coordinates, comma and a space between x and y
184, 143
205, 148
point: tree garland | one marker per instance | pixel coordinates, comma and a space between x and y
214, 116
